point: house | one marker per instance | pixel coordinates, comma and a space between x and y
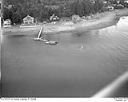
76, 18
54, 18
105, 2
7, 23
119, 6
28, 20
110, 8
118, 1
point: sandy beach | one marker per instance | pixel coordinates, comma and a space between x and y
103, 21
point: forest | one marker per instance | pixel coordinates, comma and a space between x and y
41, 10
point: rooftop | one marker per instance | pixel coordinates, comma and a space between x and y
28, 17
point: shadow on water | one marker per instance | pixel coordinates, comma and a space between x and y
16, 36
13, 36
78, 66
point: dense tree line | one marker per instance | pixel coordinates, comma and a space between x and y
41, 10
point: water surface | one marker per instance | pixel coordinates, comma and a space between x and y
79, 65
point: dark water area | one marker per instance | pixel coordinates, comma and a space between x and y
78, 66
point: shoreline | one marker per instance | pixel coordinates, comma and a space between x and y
112, 18
102, 21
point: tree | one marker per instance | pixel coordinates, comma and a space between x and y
37, 8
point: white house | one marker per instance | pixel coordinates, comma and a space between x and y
28, 20
7, 23
110, 8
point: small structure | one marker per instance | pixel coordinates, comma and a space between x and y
119, 6
83, 17
28, 20
118, 1
105, 2
7, 23
76, 18
110, 8
54, 18
88, 17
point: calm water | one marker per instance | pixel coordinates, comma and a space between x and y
79, 65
